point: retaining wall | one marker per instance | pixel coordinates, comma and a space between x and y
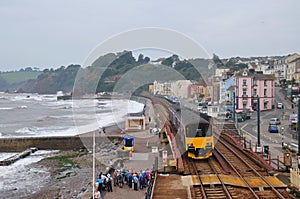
49, 143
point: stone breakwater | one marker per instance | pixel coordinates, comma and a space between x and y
50, 143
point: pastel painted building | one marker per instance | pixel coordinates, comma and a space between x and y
249, 86
197, 90
226, 81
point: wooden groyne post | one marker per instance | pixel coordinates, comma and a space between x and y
12, 159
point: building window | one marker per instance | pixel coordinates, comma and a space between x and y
265, 82
265, 92
254, 82
244, 92
215, 110
255, 92
244, 82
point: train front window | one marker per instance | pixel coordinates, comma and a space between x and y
128, 143
198, 131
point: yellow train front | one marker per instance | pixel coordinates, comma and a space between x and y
199, 140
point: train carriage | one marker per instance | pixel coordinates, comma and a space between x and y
194, 131
199, 140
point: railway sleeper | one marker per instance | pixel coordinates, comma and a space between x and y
216, 192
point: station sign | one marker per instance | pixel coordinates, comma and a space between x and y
287, 159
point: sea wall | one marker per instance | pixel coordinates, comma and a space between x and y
50, 143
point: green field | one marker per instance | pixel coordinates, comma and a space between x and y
16, 77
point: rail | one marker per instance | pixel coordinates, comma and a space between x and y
247, 164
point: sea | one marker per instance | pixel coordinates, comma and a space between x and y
34, 115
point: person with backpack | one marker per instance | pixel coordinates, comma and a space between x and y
141, 179
120, 180
109, 186
104, 180
135, 182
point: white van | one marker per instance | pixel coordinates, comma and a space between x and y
274, 121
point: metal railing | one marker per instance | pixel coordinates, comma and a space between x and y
295, 177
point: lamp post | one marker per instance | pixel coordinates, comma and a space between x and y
282, 136
233, 117
298, 154
258, 122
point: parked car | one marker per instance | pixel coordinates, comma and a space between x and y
204, 111
240, 118
273, 128
275, 121
279, 105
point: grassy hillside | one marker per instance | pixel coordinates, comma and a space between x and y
17, 77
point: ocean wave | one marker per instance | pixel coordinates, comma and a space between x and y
6, 108
27, 98
3, 98
12, 108
47, 131
22, 107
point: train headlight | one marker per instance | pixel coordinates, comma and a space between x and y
208, 144
190, 145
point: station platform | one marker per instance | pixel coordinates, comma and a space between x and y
147, 145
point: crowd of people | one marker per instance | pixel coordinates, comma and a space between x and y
134, 180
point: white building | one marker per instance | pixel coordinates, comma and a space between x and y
179, 88
162, 88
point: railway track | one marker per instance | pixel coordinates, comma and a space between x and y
253, 176
229, 173
202, 190
210, 183
253, 180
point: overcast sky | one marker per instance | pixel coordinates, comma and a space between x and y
52, 33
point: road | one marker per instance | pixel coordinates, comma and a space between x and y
273, 140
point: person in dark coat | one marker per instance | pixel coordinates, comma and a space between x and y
100, 183
109, 179
130, 180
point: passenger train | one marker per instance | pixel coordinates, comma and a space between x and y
194, 132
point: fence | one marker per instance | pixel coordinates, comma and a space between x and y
149, 192
295, 177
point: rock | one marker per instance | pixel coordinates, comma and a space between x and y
83, 189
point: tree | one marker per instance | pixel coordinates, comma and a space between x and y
230, 63
147, 59
28, 69
170, 60
141, 58
217, 61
